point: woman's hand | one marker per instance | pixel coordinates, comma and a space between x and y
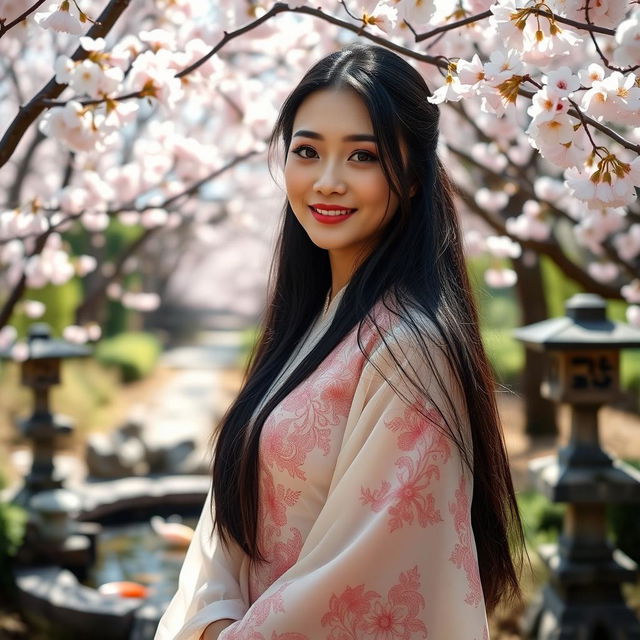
215, 628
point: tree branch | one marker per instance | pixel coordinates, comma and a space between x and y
280, 7
13, 197
487, 14
550, 249
18, 291
27, 114
5, 27
599, 50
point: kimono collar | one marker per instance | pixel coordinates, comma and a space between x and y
329, 308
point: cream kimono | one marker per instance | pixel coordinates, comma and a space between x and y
364, 514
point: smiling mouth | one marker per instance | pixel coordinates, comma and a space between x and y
332, 213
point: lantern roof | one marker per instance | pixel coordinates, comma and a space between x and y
584, 326
42, 345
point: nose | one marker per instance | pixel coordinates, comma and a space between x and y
329, 180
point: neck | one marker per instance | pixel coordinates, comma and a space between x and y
342, 268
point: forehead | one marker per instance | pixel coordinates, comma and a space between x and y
330, 112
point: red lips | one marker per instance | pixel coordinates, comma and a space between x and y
331, 207
341, 214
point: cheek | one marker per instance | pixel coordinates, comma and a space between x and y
374, 189
294, 182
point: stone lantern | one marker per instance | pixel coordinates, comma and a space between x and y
41, 371
583, 599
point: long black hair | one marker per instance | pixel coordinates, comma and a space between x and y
419, 261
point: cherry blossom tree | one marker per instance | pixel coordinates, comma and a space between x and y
154, 115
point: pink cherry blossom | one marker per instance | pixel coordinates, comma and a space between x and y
627, 52
608, 13
612, 184
547, 188
153, 75
503, 247
501, 66
561, 81
8, 335
20, 352
450, 91
415, 12
594, 72
603, 271
631, 292
75, 333
141, 301
85, 264
94, 332
547, 103
33, 308
114, 291
73, 125
628, 244
153, 218
500, 278
491, 200
129, 218
92, 44
633, 315
470, 73
11, 9
64, 18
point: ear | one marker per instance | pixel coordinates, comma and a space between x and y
413, 190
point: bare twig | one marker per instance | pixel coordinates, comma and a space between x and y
5, 27
599, 50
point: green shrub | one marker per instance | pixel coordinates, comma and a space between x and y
505, 353
135, 354
60, 301
541, 518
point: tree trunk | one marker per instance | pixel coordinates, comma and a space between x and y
539, 413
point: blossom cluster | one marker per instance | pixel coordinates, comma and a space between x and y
147, 112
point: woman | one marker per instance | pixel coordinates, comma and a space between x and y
360, 483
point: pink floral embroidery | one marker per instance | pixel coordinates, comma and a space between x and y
462, 554
408, 499
247, 628
357, 614
305, 418
276, 499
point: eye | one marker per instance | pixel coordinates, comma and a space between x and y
364, 156
302, 151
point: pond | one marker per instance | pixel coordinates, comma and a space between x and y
135, 552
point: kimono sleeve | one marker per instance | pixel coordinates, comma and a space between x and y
392, 553
208, 587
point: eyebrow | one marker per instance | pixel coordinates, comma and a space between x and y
356, 137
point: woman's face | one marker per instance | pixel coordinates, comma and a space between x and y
334, 180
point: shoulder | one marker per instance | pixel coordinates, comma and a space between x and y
403, 330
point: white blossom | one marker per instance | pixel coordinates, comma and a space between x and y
627, 52
631, 292
64, 18
503, 247
500, 278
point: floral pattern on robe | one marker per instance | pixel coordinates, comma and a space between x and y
364, 515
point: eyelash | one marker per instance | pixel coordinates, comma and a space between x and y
298, 151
